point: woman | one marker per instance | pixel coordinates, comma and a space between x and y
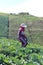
21, 35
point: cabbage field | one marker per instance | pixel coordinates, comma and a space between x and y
11, 53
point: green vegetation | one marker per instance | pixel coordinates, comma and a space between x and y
11, 53
3, 25
34, 27
9, 24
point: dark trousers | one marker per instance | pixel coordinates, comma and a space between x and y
23, 41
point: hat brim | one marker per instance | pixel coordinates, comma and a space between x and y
24, 26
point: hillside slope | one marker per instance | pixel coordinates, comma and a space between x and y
9, 24
34, 27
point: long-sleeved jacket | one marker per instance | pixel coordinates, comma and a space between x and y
21, 33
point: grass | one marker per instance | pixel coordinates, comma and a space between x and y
34, 24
